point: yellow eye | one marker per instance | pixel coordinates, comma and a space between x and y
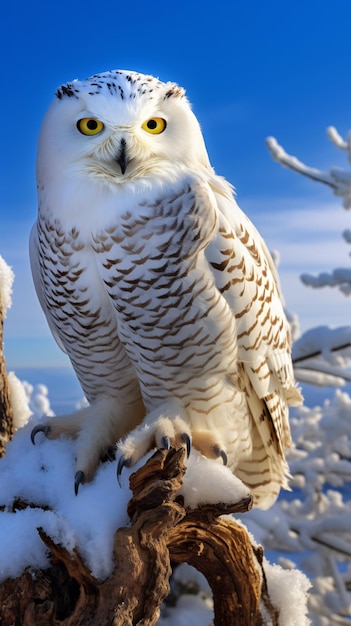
90, 126
154, 125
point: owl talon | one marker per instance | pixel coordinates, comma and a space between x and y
165, 443
41, 428
220, 453
123, 462
187, 440
78, 480
224, 457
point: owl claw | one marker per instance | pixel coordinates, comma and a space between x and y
187, 440
224, 457
219, 452
165, 443
78, 480
123, 462
41, 428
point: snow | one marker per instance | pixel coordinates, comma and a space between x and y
321, 356
44, 474
6, 280
19, 401
322, 339
190, 609
340, 277
286, 589
207, 482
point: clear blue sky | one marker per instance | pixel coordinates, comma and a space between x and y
251, 69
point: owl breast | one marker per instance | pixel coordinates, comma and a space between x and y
176, 327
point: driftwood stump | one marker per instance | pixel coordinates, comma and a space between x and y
162, 532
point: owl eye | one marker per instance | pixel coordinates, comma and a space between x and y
154, 125
90, 126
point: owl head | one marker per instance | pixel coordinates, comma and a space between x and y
121, 126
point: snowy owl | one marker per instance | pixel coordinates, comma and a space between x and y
157, 286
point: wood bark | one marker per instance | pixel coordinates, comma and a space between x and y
6, 417
162, 533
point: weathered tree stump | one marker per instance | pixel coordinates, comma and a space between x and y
6, 418
162, 532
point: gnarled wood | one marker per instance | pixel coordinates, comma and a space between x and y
161, 532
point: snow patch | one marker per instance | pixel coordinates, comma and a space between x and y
19, 401
288, 591
210, 482
6, 281
44, 474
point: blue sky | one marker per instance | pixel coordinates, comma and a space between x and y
251, 69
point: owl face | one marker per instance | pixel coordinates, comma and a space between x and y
118, 127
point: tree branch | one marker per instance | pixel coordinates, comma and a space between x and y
162, 532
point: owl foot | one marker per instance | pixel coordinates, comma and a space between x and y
209, 445
157, 431
96, 429
166, 443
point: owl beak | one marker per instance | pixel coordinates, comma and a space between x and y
122, 158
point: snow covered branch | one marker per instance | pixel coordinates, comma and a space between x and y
321, 356
340, 277
338, 180
161, 531
339, 142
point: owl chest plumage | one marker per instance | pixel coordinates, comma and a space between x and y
171, 317
148, 271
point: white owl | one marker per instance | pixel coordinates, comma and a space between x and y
157, 286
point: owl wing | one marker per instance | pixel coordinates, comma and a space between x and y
34, 255
246, 277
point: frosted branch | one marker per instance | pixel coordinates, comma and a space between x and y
338, 141
333, 542
338, 180
318, 377
278, 154
321, 341
340, 277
